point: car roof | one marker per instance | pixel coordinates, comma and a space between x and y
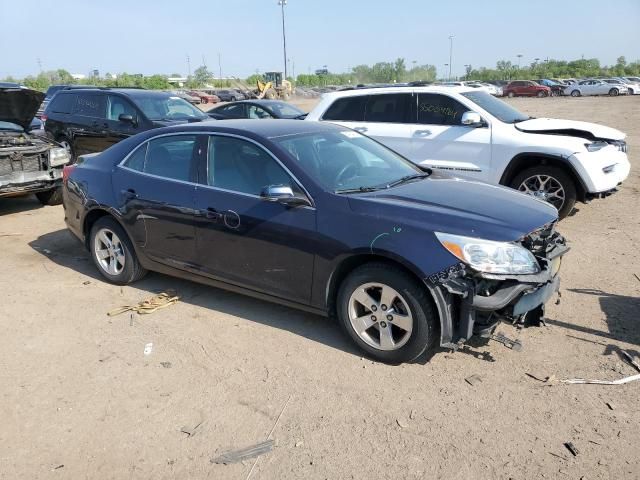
125, 91
261, 128
399, 89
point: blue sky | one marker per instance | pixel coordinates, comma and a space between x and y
145, 36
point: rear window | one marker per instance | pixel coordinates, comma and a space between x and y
90, 105
350, 109
62, 103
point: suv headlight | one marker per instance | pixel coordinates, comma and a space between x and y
58, 156
489, 256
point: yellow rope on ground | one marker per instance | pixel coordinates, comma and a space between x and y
148, 306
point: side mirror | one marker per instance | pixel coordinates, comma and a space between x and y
126, 118
283, 194
471, 119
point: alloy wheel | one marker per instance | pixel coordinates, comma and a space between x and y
544, 187
380, 316
109, 251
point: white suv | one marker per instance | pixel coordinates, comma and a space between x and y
472, 134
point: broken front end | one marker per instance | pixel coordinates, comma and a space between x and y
471, 302
29, 164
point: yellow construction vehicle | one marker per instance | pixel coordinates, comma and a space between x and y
273, 86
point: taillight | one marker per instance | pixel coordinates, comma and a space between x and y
66, 171
43, 118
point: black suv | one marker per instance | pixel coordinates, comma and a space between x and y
92, 119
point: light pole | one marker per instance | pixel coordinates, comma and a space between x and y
467, 71
282, 4
450, 54
519, 57
445, 68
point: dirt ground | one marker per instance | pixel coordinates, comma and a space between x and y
80, 400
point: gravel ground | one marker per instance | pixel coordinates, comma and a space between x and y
80, 399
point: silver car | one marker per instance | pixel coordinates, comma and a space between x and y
595, 87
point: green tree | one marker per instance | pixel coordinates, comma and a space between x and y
202, 75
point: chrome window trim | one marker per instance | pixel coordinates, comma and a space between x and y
122, 165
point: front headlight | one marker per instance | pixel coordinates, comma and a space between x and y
58, 156
489, 256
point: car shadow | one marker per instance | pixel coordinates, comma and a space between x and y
621, 314
62, 248
24, 203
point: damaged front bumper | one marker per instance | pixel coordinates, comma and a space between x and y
473, 303
20, 183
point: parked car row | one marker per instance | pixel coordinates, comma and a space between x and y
353, 212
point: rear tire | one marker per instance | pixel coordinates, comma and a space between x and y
394, 333
529, 180
113, 253
66, 144
50, 197
541, 94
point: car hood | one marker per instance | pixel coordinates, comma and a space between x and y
19, 105
571, 128
462, 207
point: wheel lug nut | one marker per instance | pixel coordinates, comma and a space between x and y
389, 317
383, 324
384, 307
373, 308
373, 317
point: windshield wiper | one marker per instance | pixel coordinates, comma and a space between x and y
407, 178
360, 189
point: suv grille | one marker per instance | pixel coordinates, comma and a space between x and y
21, 163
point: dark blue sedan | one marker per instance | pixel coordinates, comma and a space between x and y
322, 218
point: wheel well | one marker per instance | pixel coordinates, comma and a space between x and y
350, 264
524, 161
92, 217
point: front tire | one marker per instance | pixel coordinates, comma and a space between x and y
541, 94
386, 313
575, 93
113, 253
50, 197
614, 92
550, 184
511, 94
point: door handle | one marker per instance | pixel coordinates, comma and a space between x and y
361, 129
129, 194
422, 133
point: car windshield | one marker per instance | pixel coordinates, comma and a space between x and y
284, 110
159, 107
10, 126
348, 162
499, 109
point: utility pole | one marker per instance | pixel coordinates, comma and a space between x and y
39, 65
188, 67
219, 66
282, 4
450, 54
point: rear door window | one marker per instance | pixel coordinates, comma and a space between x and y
90, 105
62, 103
348, 109
436, 109
388, 108
169, 157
